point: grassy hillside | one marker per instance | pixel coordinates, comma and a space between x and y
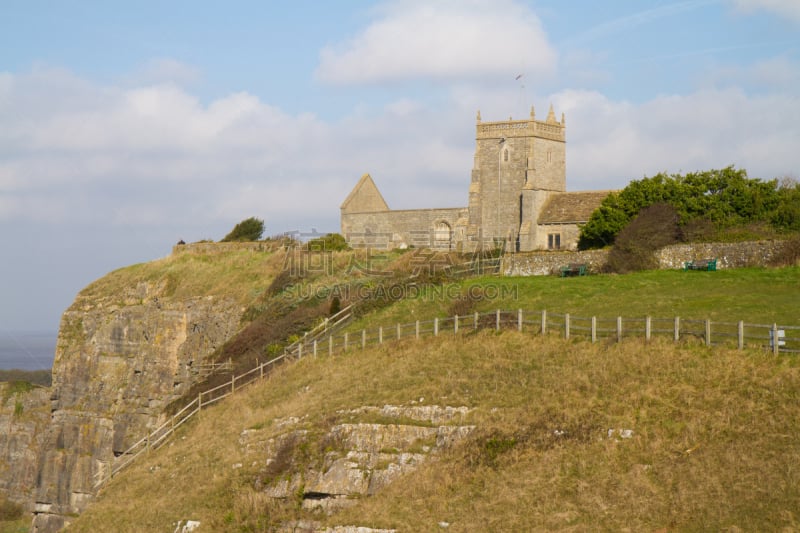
755, 295
713, 442
713, 433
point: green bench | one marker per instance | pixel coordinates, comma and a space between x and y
573, 269
701, 264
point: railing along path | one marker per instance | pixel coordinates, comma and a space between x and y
324, 339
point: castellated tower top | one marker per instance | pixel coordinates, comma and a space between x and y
549, 128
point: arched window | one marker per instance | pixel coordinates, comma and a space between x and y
505, 154
441, 235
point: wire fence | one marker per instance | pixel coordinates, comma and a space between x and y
327, 339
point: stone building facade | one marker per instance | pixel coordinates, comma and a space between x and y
518, 198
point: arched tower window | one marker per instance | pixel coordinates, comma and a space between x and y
505, 155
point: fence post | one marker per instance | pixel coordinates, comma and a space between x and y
455, 325
315, 348
435, 326
775, 342
497, 320
677, 328
647, 328
708, 332
594, 329
261, 371
544, 321
741, 335
300, 350
416, 329
475, 321
398, 331
330, 345
363, 338
199, 401
345, 341
380, 334
619, 329
566, 326
233, 384
519, 319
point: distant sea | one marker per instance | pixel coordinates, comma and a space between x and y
27, 350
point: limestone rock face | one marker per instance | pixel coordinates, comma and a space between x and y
120, 359
361, 458
23, 418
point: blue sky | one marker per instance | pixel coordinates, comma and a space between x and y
125, 126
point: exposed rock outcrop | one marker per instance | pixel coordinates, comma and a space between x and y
120, 359
354, 459
24, 415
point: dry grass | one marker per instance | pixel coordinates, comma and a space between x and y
714, 445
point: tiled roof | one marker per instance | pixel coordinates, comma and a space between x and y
571, 207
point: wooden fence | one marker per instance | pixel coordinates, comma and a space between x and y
327, 340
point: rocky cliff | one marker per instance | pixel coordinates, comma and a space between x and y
24, 414
129, 345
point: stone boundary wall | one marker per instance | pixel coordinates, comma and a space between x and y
728, 255
543, 263
224, 247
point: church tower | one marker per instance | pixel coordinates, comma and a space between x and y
517, 165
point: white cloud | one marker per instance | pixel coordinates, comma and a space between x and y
441, 40
774, 73
785, 8
610, 143
163, 70
155, 157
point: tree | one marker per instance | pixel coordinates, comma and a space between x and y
249, 229
724, 198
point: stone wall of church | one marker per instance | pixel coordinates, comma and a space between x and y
401, 228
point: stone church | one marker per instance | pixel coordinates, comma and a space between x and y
518, 198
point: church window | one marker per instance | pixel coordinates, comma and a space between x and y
553, 241
549, 156
505, 154
441, 235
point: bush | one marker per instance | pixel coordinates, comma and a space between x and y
336, 305
723, 198
656, 226
789, 254
332, 242
249, 229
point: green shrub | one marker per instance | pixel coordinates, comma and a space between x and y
249, 229
332, 242
723, 198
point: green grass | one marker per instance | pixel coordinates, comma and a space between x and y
715, 433
754, 295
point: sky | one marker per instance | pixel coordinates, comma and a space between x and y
126, 126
